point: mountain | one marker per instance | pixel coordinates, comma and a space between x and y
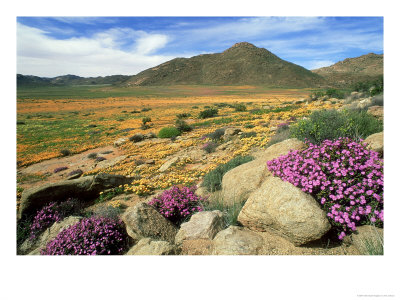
351, 70
241, 64
29, 80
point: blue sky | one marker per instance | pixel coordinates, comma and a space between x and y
99, 46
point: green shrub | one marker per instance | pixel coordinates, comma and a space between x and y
240, 107
217, 134
249, 126
213, 179
65, 152
92, 155
331, 124
136, 138
334, 93
183, 116
230, 212
208, 113
182, 126
374, 87
168, 132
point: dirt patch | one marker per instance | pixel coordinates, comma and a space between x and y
44, 172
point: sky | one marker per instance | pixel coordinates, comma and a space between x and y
100, 46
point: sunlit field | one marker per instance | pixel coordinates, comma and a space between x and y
46, 127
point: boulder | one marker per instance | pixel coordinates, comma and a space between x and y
376, 111
202, 192
230, 132
375, 142
368, 239
84, 188
238, 183
197, 247
147, 246
142, 220
168, 164
237, 241
34, 247
281, 208
202, 225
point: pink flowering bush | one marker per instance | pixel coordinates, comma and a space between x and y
44, 219
177, 204
345, 177
90, 236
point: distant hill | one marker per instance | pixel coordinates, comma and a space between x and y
29, 80
351, 70
241, 64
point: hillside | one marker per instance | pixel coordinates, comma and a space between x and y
352, 70
30, 81
243, 63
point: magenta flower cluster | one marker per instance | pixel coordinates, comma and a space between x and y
44, 219
343, 175
177, 204
90, 236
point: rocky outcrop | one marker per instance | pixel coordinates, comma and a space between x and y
147, 246
142, 220
240, 182
282, 208
85, 189
168, 164
202, 225
376, 111
375, 142
237, 241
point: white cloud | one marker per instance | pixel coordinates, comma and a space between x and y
316, 64
115, 51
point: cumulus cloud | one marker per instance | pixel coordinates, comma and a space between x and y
114, 51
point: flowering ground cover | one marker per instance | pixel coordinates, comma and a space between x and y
343, 175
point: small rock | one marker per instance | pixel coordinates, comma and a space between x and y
376, 111
150, 162
168, 164
202, 225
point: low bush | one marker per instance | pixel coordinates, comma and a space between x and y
334, 93
65, 152
345, 178
146, 109
92, 155
182, 126
178, 203
90, 236
332, 124
210, 147
249, 126
100, 158
282, 133
136, 138
168, 132
377, 100
183, 115
240, 107
208, 113
248, 134
213, 179
56, 170
372, 87
217, 134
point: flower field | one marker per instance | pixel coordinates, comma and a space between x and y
46, 127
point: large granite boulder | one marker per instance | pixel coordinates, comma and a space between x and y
375, 142
142, 221
237, 241
281, 208
85, 189
240, 182
202, 225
